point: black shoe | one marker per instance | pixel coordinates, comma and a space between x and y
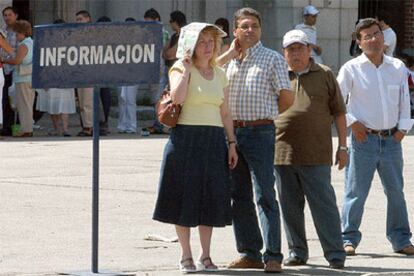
103, 132
294, 261
6, 132
336, 264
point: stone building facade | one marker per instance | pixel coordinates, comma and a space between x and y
335, 24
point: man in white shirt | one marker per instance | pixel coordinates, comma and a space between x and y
310, 15
390, 38
379, 115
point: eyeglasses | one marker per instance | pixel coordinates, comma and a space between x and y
245, 27
377, 34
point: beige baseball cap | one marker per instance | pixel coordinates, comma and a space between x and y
295, 36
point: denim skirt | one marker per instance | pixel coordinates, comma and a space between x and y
194, 186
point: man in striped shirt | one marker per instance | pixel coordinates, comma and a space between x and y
259, 90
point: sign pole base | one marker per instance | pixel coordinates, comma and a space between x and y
100, 273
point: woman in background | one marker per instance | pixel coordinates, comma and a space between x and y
22, 77
59, 103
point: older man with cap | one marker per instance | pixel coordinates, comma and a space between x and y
303, 157
310, 15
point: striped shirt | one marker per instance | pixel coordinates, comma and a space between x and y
255, 83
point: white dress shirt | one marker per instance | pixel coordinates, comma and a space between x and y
378, 97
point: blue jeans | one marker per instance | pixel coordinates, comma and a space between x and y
294, 183
383, 154
256, 154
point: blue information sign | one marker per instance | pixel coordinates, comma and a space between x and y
96, 54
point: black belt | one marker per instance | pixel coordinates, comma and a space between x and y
383, 132
252, 123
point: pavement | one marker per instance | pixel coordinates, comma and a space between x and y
45, 212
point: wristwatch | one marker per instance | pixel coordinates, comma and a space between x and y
403, 131
345, 148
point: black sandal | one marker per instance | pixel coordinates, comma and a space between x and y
86, 132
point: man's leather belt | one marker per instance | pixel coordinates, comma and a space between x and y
383, 132
252, 123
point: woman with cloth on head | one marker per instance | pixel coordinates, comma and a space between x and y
22, 77
194, 188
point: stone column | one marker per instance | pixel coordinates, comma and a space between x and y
66, 10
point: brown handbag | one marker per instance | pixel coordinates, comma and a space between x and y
167, 111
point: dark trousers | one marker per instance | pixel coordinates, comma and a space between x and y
105, 94
8, 113
256, 148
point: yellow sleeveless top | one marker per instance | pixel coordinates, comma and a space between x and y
204, 97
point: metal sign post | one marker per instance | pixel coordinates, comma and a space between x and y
95, 198
95, 182
87, 55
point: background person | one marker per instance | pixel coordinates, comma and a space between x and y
85, 95
59, 103
177, 21
224, 24
354, 49
105, 96
4, 47
127, 105
22, 77
390, 37
310, 16
157, 127
194, 187
10, 17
